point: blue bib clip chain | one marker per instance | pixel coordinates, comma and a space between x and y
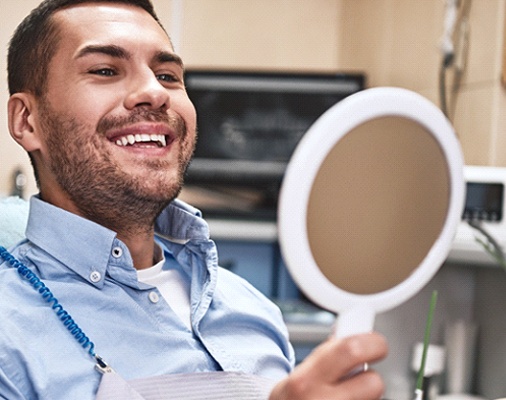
63, 315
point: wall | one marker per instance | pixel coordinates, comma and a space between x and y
397, 42
262, 34
11, 155
404, 326
489, 313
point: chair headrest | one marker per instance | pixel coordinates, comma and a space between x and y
13, 220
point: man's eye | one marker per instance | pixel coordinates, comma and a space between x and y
167, 78
103, 72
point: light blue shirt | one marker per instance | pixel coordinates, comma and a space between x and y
91, 273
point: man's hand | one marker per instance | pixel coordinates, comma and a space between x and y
325, 373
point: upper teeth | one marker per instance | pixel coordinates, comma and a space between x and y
131, 139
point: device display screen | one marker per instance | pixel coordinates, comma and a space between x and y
484, 201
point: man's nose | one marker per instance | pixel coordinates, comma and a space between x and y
146, 90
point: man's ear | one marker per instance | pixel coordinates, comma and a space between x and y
21, 111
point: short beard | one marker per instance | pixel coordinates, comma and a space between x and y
97, 185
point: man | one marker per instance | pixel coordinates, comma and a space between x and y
98, 101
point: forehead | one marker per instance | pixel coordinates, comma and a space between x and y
104, 23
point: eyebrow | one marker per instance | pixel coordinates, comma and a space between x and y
119, 52
167, 57
109, 50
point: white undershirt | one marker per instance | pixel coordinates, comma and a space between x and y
172, 286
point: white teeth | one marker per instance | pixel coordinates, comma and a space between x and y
139, 138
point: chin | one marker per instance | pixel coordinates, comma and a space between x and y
162, 192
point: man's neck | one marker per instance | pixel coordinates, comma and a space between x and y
142, 249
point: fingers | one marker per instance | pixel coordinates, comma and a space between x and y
336, 358
324, 374
363, 386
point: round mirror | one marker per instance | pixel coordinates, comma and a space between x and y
370, 203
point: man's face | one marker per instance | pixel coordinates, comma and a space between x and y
116, 122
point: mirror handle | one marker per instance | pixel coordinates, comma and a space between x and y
355, 320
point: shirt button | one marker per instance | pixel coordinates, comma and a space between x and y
95, 276
117, 252
153, 297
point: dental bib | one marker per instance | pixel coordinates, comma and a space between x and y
191, 386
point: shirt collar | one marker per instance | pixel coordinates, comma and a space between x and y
86, 247
82, 245
180, 222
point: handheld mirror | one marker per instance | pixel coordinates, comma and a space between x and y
369, 204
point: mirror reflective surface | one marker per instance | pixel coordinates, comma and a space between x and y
377, 204
370, 203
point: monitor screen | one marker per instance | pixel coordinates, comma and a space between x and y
249, 124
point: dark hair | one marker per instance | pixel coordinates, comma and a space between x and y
35, 41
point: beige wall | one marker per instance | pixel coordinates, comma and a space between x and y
11, 155
395, 42
262, 34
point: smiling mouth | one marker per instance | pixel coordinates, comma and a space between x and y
142, 140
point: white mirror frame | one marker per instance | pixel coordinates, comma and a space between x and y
357, 312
